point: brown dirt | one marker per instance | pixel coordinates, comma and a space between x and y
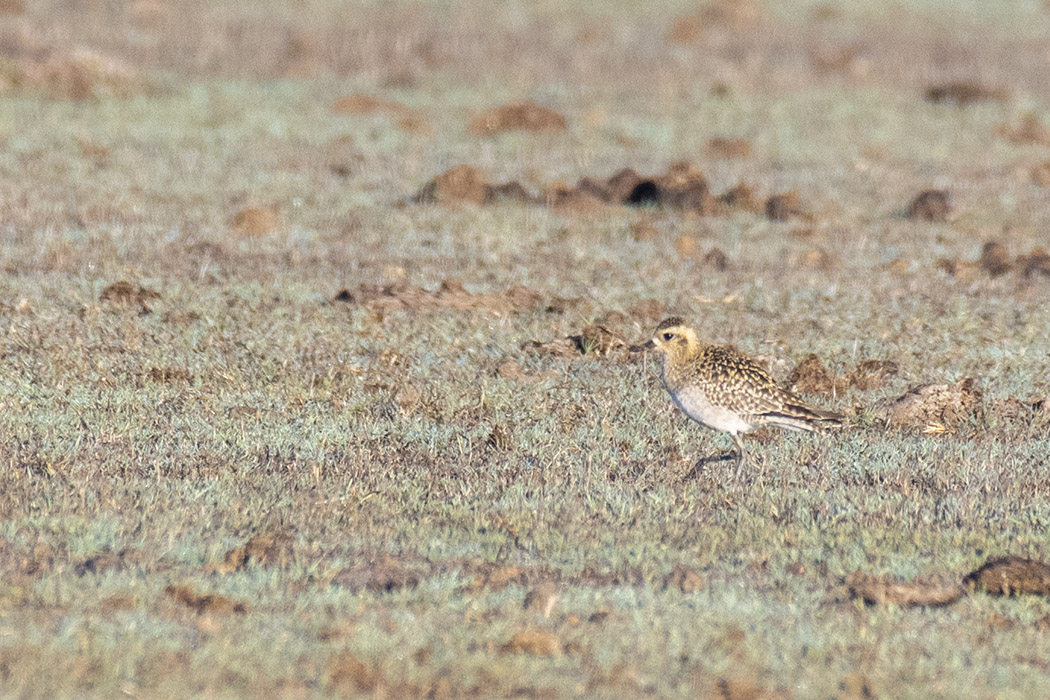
683, 188
715, 259
535, 643
572, 200
994, 259
351, 676
77, 74
930, 205
742, 197
205, 602
684, 578
871, 374
254, 221
962, 93
597, 340
732, 14
267, 549
1041, 174
1015, 412
644, 231
1011, 575
512, 191
784, 206
814, 258
728, 148
929, 404
918, 592
1029, 131
461, 183
811, 377
1036, 262
517, 116
541, 599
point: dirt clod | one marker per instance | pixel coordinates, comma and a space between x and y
460, 183
962, 93
254, 221
740, 198
1030, 130
784, 206
930, 205
727, 148
1036, 262
541, 599
917, 592
926, 404
535, 643
811, 377
518, 116
349, 674
1011, 575
994, 259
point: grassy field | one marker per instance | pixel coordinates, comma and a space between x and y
271, 428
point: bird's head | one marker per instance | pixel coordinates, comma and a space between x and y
672, 338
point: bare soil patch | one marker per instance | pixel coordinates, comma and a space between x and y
930, 205
933, 404
915, 593
517, 116
963, 93
1008, 576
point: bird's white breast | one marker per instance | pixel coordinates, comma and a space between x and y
695, 404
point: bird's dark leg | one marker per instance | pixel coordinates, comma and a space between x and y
743, 460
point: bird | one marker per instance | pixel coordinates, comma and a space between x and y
722, 388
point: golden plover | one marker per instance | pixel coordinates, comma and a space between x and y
724, 389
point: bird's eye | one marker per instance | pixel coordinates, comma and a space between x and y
668, 337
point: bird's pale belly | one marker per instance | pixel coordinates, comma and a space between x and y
694, 403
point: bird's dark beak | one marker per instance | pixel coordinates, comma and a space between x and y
648, 345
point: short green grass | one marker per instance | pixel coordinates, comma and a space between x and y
404, 469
